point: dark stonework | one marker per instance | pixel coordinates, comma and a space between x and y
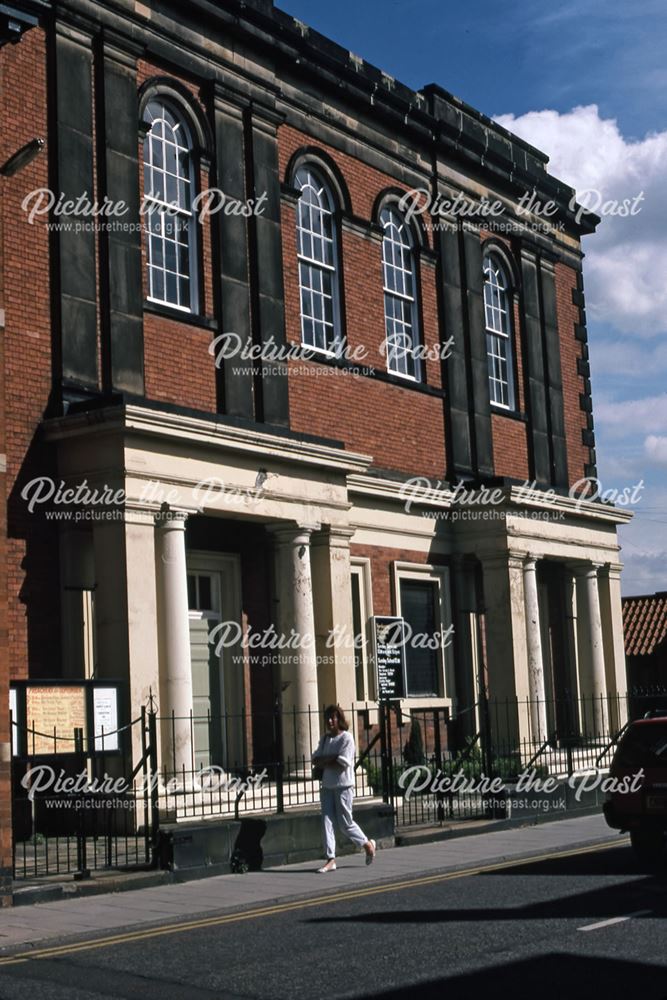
553, 376
479, 365
455, 368
14, 22
235, 376
268, 299
539, 450
583, 369
75, 287
120, 251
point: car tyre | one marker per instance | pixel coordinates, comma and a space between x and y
648, 845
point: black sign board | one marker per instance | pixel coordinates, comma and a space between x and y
389, 643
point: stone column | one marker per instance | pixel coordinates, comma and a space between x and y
174, 630
569, 598
536, 692
465, 644
332, 599
125, 610
297, 661
588, 601
506, 656
614, 646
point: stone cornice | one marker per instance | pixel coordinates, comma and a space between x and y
570, 506
289, 50
199, 432
512, 499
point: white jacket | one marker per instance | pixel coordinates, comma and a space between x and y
341, 747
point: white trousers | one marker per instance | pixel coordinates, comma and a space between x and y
337, 806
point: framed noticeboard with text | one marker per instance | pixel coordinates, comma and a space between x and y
65, 717
389, 652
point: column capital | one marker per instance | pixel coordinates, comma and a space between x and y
292, 533
169, 519
521, 559
502, 560
586, 570
334, 534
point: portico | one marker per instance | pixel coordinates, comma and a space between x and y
536, 588
551, 604
179, 473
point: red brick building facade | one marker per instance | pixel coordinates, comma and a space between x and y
331, 479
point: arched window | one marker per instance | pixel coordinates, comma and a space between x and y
498, 313
169, 191
400, 295
318, 262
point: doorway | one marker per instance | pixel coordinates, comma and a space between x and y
218, 688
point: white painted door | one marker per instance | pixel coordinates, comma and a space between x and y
217, 672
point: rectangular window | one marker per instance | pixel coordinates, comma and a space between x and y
362, 609
499, 377
420, 609
318, 329
358, 628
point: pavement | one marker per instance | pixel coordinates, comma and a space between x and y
151, 906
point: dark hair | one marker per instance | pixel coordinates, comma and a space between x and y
337, 711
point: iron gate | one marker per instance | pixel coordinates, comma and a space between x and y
85, 809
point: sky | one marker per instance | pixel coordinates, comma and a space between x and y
585, 81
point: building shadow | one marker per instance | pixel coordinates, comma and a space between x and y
550, 977
599, 904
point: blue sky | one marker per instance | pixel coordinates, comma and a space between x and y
586, 81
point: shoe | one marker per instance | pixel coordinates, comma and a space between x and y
370, 855
330, 866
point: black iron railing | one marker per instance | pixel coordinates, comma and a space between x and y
228, 766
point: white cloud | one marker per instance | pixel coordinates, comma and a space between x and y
656, 449
626, 260
643, 572
627, 358
623, 418
644, 542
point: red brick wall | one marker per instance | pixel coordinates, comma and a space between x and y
510, 438
510, 447
32, 557
382, 581
573, 383
26, 364
178, 367
402, 428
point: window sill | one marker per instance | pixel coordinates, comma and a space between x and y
402, 377
180, 316
500, 411
420, 701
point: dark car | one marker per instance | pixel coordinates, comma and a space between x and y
640, 763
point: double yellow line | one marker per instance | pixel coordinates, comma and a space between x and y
268, 911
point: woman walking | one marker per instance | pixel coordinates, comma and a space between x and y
334, 761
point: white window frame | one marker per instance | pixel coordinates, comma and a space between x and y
361, 568
498, 314
177, 211
390, 218
440, 576
315, 266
